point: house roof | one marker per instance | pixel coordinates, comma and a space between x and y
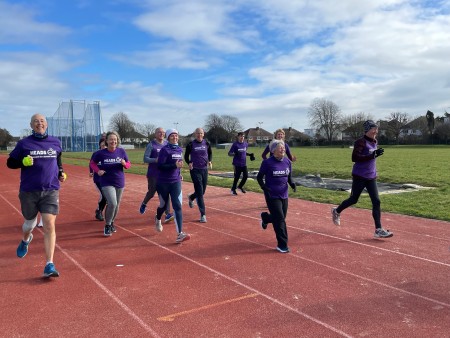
257, 132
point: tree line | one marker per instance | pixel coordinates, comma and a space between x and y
327, 119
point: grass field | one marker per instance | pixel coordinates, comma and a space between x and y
423, 165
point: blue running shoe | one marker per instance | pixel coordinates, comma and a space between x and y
22, 249
286, 250
169, 217
142, 208
50, 271
108, 230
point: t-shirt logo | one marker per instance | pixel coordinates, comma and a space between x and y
280, 173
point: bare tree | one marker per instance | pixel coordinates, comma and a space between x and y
396, 122
353, 124
325, 116
121, 123
232, 125
147, 129
221, 128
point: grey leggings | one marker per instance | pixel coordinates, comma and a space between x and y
113, 195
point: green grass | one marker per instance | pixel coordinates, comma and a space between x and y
423, 165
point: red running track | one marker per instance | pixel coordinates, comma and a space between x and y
228, 280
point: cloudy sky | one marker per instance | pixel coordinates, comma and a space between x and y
178, 61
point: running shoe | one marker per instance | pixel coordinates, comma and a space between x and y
142, 208
242, 190
107, 231
182, 236
158, 224
22, 249
381, 233
169, 217
336, 216
50, 271
190, 202
286, 250
99, 215
113, 228
233, 192
203, 219
263, 224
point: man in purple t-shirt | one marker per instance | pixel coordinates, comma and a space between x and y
39, 158
198, 156
238, 151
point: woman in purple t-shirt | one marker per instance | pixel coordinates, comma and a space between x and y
279, 135
364, 173
109, 163
168, 184
274, 176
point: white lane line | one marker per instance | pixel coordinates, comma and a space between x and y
343, 239
334, 268
253, 290
99, 284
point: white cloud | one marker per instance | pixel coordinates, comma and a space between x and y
18, 25
195, 22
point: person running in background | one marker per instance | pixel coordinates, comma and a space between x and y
273, 177
198, 156
170, 162
279, 135
109, 163
101, 199
239, 153
39, 158
151, 157
364, 173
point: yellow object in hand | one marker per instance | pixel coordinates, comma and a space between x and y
64, 175
27, 161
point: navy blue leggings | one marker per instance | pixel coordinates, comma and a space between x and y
174, 191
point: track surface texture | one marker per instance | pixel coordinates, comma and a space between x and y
228, 280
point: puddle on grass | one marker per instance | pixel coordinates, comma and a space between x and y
315, 181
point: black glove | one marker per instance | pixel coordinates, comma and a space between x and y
293, 186
252, 157
378, 152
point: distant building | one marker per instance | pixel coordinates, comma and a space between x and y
257, 136
294, 137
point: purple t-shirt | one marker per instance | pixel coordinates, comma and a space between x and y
150, 156
111, 163
276, 175
240, 152
167, 169
365, 165
43, 174
199, 154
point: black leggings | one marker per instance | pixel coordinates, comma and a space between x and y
278, 208
237, 174
358, 186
